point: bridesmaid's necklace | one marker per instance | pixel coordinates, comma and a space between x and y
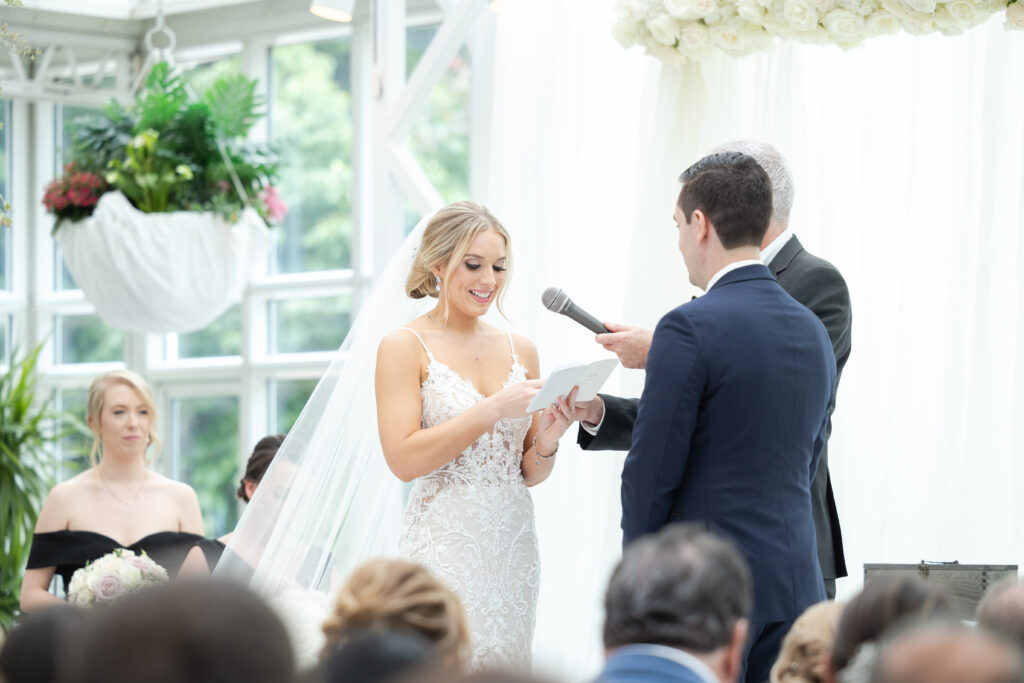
475, 354
119, 498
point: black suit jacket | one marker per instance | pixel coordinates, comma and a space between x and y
819, 286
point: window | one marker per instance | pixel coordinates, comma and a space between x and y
203, 451
287, 399
311, 125
76, 444
303, 325
222, 337
86, 339
66, 118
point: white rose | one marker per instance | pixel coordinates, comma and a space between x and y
949, 23
665, 29
964, 11
1015, 17
627, 33
633, 10
680, 9
923, 6
669, 55
843, 23
84, 597
729, 36
693, 39
917, 24
751, 10
800, 15
882, 23
131, 577
705, 8
863, 8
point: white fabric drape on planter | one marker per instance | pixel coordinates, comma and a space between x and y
161, 272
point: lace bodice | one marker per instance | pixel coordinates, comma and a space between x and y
471, 522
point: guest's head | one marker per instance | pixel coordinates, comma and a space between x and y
121, 412
723, 210
885, 602
189, 631
804, 657
948, 652
376, 656
1002, 609
774, 164
265, 450
683, 588
32, 649
456, 243
396, 595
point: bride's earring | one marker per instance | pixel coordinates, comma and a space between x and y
437, 284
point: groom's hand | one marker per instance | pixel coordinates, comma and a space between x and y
590, 412
629, 343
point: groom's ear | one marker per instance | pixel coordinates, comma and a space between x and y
701, 225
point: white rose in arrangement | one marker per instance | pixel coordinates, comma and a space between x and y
800, 15
113, 576
705, 8
918, 24
882, 23
694, 39
628, 33
844, 24
680, 9
964, 11
131, 577
665, 29
948, 23
1015, 17
730, 36
923, 6
751, 11
862, 8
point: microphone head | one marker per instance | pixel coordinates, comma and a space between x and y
554, 299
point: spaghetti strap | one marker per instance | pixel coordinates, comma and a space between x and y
422, 343
515, 358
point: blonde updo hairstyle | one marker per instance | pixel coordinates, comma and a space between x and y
446, 240
398, 595
806, 652
94, 406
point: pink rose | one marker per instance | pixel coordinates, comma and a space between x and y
108, 588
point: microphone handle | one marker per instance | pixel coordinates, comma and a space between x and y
583, 318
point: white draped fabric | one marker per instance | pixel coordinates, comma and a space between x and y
908, 156
162, 272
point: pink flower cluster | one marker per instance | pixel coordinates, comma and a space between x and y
74, 194
276, 208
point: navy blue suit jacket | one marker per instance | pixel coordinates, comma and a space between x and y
729, 430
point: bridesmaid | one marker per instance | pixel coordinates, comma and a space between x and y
119, 502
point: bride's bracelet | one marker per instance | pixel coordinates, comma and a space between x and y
538, 454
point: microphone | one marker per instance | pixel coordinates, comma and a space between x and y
558, 301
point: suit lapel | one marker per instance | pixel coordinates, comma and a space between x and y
785, 256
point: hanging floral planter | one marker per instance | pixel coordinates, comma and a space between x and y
680, 31
161, 272
162, 214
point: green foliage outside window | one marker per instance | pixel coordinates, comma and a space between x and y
209, 457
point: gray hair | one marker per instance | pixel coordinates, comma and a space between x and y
682, 587
774, 164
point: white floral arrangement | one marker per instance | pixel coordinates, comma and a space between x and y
680, 31
113, 576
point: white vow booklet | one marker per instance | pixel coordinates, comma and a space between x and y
588, 376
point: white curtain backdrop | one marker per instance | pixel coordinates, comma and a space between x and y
908, 156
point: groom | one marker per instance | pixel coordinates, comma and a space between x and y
734, 410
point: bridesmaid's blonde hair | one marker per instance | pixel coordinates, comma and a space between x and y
97, 391
446, 240
399, 595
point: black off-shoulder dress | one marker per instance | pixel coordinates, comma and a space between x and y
69, 550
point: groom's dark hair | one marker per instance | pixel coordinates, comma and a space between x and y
734, 192
682, 587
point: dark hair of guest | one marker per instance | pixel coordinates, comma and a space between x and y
259, 461
681, 587
885, 602
734, 192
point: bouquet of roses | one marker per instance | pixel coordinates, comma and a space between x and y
113, 576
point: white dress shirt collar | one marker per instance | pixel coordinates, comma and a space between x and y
775, 246
674, 654
729, 268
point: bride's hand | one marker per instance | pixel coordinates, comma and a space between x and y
554, 421
513, 400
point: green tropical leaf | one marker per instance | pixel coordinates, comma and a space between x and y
234, 105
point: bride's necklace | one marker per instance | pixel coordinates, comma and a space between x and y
475, 354
119, 498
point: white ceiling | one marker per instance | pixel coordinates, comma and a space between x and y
127, 9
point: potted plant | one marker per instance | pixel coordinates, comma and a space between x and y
29, 428
163, 209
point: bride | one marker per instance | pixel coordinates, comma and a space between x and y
452, 394
451, 397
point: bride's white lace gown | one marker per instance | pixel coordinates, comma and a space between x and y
471, 523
